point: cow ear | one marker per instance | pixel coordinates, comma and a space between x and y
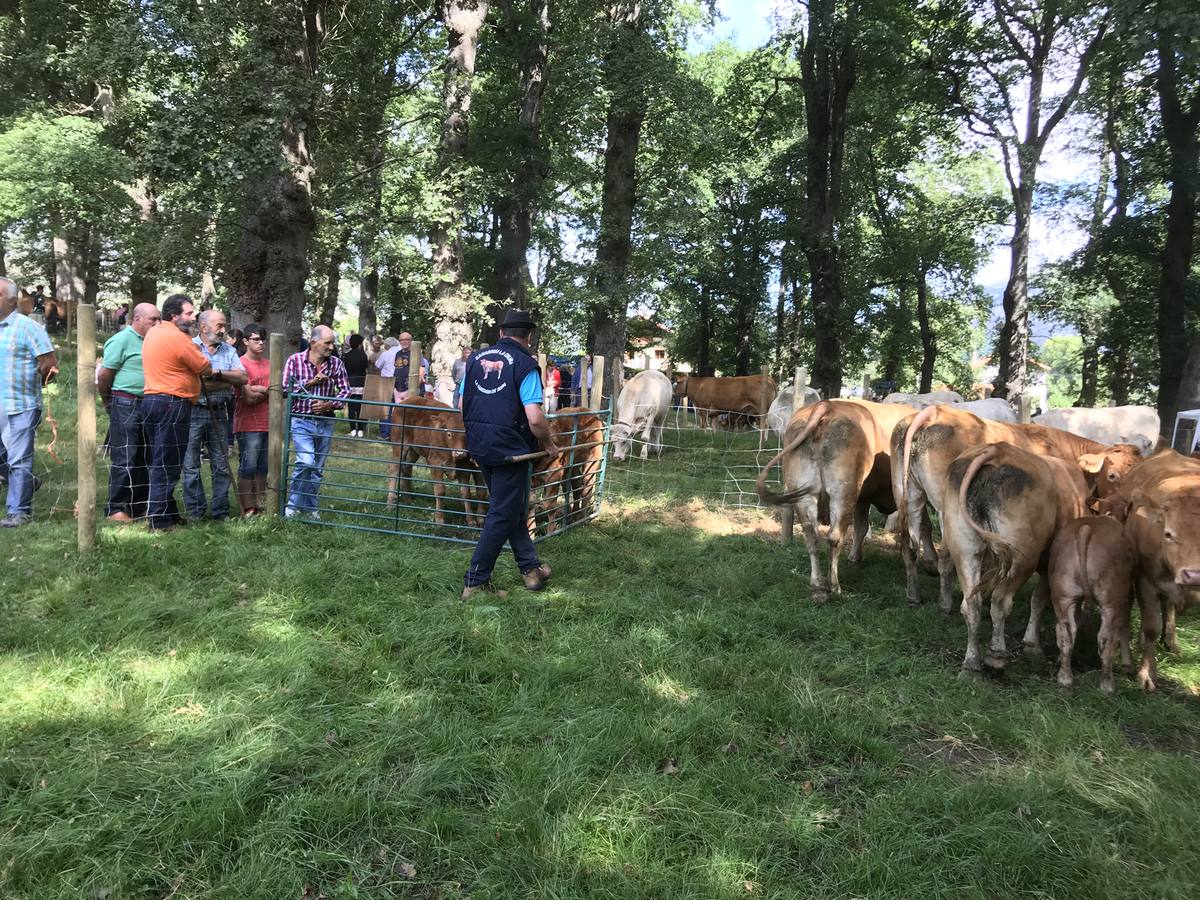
1091, 462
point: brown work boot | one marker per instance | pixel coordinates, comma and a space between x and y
486, 588
535, 579
121, 518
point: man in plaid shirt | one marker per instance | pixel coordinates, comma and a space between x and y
320, 378
26, 361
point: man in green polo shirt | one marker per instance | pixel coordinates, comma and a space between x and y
121, 385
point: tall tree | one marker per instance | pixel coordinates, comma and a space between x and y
624, 80
266, 278
454, 303
828, 65
1018, 50
1177, 77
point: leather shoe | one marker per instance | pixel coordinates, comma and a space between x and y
535, 579
121, 518
486, 588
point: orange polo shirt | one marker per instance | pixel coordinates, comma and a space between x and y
171, 362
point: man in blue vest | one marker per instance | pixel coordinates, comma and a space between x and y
502, 412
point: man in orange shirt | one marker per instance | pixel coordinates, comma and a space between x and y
172, 365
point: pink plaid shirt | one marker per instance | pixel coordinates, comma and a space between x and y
299, 369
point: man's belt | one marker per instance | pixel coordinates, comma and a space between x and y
126, 395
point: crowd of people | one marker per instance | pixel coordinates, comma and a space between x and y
181, 388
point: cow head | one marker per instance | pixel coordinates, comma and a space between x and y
620, 441
1114, 506
679, 385
1177, 516
1105, 469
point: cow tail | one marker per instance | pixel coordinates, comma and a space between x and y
1082, 539
995, 542
819, 412
920, 420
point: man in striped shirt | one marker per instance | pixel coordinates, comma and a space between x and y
27, 360
320, 379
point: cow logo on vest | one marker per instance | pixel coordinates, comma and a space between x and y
493, 367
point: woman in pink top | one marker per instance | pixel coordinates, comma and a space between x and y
251, 423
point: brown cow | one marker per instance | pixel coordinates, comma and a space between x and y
579, 435
743, 394
1164, 509
835, 451
1091, 559
1023, 498
433, 433
924, 446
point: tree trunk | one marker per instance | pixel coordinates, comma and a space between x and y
143, 281
266, 278
929, 349
1188, 396
333, 278
91, 278
614, 245
452, 305
828, 62
1090, 374
208, 280
1180, 131
704, 334
516, 210
1014, 332
3, 265
368, 295
780, 325
70, 266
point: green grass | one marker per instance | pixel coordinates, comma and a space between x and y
260, 710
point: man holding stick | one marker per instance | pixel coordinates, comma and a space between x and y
502, 411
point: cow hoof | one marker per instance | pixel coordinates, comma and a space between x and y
930, 567
914, 602
1066, 682
1032, 650
946, 611
1147, 684
997, 662
820, 597
1107, 686
1171, 646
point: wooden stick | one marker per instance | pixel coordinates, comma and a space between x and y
85, 380
767, 397
414, 370
275, 411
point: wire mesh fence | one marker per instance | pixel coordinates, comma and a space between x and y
718, 462
405, 470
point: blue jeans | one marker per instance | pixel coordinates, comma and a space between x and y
128, 475
166, 420
311, 440
209, 427
252, 453
508, 500
17, 431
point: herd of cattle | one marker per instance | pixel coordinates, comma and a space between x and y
1078, 496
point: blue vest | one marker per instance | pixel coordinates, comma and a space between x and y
492, 411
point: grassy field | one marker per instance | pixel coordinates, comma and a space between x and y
254, 710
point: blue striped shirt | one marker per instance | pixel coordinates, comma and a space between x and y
226, 359
22, 341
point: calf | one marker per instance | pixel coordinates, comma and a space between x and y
426, 429
1091, 560
835, 452
1023, 498
1164, 508
926, 443
568, 481
745, 394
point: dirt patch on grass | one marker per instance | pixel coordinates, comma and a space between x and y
719, 521
961, 754
1176, 743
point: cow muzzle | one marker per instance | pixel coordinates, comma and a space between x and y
1188, 577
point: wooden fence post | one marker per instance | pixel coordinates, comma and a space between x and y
584, 397
866, 393
1023, 405
801, 380
414, 369
275, 399
597, 394
767, 397
85, 382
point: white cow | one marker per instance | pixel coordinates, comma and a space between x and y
642, 405
920, 401
784, 405
1137, 425
992, 408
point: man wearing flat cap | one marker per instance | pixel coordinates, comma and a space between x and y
502, 412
